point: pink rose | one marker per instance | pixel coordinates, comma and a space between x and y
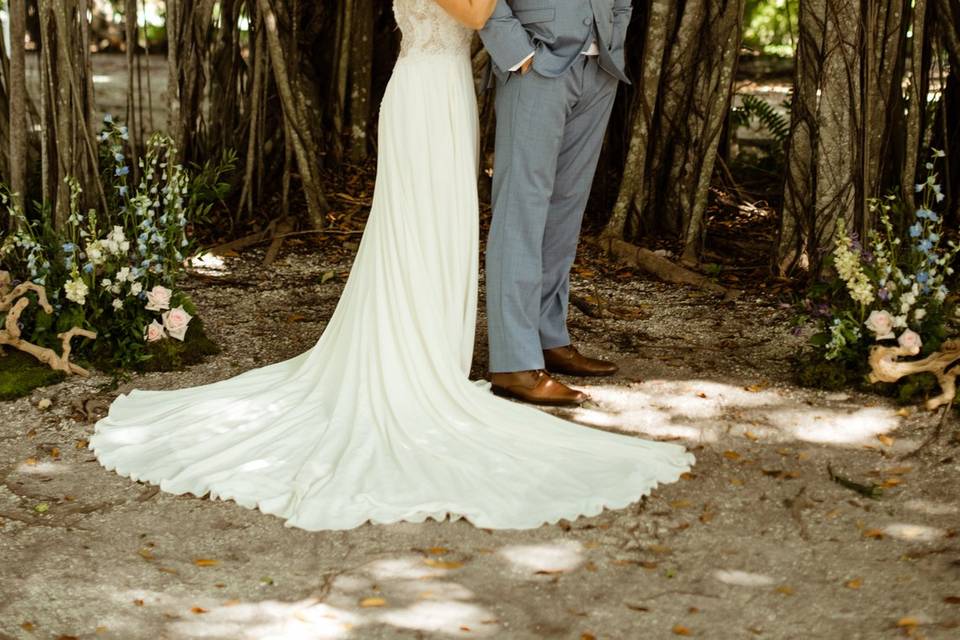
910, 340
175, 322
881, 323
154, 332
158, 298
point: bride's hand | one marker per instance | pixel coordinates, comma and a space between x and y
470, 13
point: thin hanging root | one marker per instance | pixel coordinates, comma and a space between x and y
13, 302
886, 368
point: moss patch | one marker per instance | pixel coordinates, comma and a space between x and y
173, 355
21, 373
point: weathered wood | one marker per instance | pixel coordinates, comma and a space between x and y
885, 367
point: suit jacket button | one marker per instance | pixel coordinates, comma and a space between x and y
588, 21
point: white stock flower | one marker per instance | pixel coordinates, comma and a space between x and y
77, 291
136, 288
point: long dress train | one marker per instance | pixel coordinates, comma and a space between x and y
378, 421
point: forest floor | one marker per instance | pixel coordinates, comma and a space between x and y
757, 542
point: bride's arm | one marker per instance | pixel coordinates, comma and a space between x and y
471, 13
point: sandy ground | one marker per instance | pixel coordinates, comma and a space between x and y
757, 542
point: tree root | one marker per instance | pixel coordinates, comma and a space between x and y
659, 266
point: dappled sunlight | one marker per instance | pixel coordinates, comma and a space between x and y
827, 426
449, 617
914, 532
269, 619
743, 578
932, 508
208, 264
411, 568
560, 556
705, 411
44, 468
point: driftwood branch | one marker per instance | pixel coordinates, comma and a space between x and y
886, 368
13, 302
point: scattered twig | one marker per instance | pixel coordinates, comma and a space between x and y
873, 491
937, 432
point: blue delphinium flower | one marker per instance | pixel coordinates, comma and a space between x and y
119, 157
122, 171
122, 189
88, 268
69, 247
108, 119
925, 245
916, 230
923, 213
922, 277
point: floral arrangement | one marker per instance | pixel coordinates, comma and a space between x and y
115, 271
895, 286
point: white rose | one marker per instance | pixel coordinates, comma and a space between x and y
910, 340
158, 298
123, 275
881, 323
154, 332
136, 288
118, 304
920, 314
175, 322
106, 283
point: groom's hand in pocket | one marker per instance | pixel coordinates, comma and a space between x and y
525, 68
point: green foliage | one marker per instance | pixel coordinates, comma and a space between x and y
21, 373
753, 107
771, 26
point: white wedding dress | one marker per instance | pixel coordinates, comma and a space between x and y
378, 421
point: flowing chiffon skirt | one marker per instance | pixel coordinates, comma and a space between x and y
378, 421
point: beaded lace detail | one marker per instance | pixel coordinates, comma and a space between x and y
429, 29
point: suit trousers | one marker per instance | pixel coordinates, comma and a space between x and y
550, 132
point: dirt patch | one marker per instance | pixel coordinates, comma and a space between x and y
757, 542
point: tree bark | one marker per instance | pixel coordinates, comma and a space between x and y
17, 159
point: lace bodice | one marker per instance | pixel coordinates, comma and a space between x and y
427, 28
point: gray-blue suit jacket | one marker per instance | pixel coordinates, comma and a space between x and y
557, 31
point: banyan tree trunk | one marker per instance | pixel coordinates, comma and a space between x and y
68, 146
824, 178
16, 98
861, 120
682, 100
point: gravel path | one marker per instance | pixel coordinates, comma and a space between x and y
758, 542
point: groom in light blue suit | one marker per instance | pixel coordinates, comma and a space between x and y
556, 66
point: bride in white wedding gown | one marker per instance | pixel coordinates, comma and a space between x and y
378, 421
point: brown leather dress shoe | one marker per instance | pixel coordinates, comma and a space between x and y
568, 361
536, 387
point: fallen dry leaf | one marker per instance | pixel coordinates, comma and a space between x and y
138, 602
146, 554
891, 482
908, 621
687, 476
885, 440
27, 626
198, 610
757, 388
373, 602
952, 599
785, 590
731, 455
873, 533
55, 452
680, 630
438, 551
205, 562
856, 583
587, 636
31, 462
681, 504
